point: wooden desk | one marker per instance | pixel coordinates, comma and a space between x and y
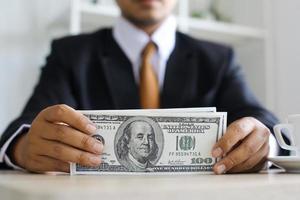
273, 185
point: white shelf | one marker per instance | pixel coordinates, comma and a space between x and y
90, 8
226, 28
203, 29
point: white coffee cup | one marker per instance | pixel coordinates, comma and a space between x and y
293, 131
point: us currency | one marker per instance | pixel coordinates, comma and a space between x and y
176, 141
146, 111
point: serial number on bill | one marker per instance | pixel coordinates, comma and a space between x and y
106, 127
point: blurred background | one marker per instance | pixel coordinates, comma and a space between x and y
264, 34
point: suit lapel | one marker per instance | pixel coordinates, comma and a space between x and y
180, 76
119, 75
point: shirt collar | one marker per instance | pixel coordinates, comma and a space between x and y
133, 40
164, 37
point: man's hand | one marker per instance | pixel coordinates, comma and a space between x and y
244, 147
58, 135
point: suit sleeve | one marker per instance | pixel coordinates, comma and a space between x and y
236, 98
54, 87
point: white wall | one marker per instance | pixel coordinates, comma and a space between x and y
287, 57
25, 32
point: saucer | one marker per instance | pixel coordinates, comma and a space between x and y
289, 163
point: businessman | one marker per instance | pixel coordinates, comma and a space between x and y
142, 62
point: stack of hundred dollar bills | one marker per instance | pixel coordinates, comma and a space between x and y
160, 141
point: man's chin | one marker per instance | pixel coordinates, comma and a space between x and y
146, 20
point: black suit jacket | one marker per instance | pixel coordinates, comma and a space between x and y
91, 72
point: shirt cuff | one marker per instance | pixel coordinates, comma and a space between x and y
8, 162
3, 152
274, 151
274, 148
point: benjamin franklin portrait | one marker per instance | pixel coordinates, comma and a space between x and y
137, 148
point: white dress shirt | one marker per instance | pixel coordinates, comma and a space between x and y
133, 41
164, 38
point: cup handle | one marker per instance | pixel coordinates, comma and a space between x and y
277, 130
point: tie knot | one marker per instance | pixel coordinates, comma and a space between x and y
149, 50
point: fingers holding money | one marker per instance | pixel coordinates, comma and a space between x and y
69, 116
254, 163
241, 146
63, 124
72, 137
236, 132
60, 134
65, 153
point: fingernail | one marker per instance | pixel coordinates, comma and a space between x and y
98, 147
95, 160
221, 169
217, 152
91, 128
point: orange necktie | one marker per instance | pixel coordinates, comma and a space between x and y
149, 87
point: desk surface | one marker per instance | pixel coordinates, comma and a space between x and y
269, 185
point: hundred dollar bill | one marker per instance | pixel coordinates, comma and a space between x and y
155, 141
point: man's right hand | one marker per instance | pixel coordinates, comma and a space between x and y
58, 135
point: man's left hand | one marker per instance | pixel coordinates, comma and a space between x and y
243, 148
